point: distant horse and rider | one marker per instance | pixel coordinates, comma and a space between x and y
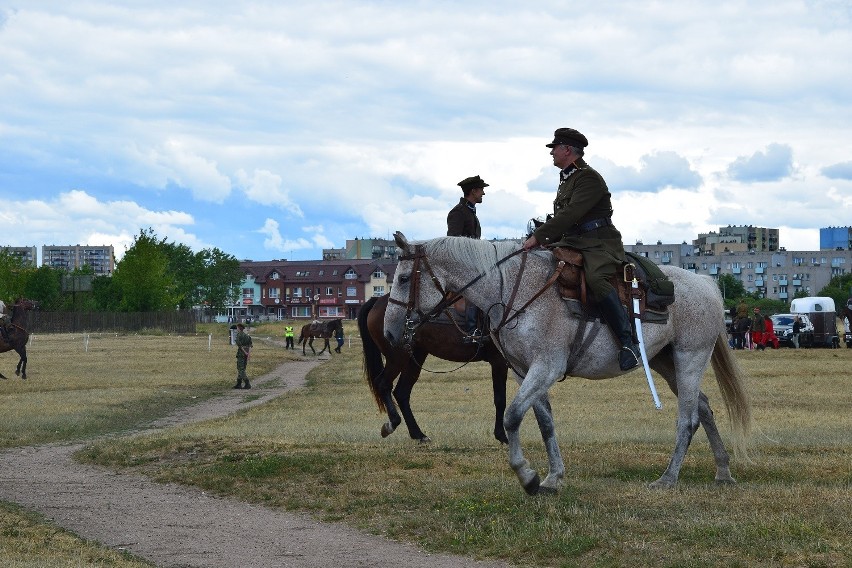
518, 294
14, 335
324, 330
441, 338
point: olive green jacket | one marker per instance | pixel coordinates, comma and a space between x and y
581, 198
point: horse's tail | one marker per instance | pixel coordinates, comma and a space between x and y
374, 366
731, 382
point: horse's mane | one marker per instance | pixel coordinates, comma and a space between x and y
479, 255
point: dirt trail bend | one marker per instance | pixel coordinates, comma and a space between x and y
176, 526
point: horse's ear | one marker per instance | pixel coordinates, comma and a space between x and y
401, 241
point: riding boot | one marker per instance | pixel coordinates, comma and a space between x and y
247, 384
615, 316
239, 384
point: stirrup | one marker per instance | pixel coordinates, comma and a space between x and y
626, 364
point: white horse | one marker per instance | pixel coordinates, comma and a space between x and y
486, 274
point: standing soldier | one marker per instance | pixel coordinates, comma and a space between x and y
243, 341
288, 337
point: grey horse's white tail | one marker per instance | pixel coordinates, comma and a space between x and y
731, 382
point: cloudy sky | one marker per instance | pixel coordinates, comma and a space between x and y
276, 129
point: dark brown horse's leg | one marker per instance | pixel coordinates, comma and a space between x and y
402, 393
21, 369
499, 375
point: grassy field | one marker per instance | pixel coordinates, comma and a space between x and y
319, 450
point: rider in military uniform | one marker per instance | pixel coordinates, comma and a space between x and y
582, 219
463, 222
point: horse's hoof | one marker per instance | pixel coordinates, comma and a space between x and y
661, 484
728, 481
424, 440
545, 490
387, 430
532, 487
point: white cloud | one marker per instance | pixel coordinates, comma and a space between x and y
185, 119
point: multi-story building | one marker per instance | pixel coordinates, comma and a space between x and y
835, 238
310, 289
26, 254
778, 275
72, 257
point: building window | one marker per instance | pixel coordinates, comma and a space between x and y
351, 274
378, 291
274, 293
329, 291
329, 312
378, 273
351, 291
300, 311
297, 292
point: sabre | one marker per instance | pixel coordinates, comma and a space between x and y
638, 320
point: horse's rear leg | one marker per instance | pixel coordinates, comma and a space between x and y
720, 455
664, 365
690, 368
21, 369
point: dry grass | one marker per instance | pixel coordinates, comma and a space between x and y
320, 450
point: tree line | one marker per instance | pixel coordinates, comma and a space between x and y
153, 275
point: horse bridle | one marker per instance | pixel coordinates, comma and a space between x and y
411, 306
449, 298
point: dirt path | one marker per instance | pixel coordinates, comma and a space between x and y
177, 526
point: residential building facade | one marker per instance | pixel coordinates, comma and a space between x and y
26, 254
318, 289
72, 257
777, 275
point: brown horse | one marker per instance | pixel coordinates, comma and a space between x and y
439, 338
323, 330
16, 336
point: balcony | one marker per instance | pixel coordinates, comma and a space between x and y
714, 271
797, 282
782, 295
782, 281
737, 270
758, 282
759, 270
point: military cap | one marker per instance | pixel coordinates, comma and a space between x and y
470, 183
569, 137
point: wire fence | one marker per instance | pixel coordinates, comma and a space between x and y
181, 321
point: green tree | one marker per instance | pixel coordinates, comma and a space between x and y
142, 276
221, 277
730, 287
44, 285
13, 276
839, 289
106, 295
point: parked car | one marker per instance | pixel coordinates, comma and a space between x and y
783, 324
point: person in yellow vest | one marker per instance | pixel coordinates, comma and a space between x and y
288, 337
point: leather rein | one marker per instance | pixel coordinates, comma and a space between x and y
449, 298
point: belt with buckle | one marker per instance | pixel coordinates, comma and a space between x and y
581, 228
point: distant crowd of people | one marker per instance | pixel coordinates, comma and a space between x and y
758, 331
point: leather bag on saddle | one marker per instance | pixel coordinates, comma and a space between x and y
655, 291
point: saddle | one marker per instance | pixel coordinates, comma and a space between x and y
653, 306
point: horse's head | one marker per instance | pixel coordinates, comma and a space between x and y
413, 300
25, 304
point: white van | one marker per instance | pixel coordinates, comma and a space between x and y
821, 311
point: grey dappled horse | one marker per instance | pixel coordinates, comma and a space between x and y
486, 274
